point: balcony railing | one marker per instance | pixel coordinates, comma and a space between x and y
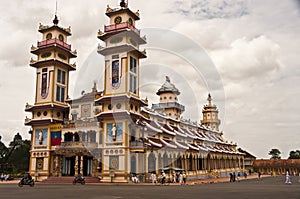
168, 105
49, 42
120, 26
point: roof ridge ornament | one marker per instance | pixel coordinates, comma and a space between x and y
168, 79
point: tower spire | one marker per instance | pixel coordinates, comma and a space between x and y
55, 20
209, 99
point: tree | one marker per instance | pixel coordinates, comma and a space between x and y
294, 154
15, 157
3, 150
275, 154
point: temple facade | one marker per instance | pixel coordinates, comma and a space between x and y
114, 134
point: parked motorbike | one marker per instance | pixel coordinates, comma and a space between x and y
24, 181
78, 179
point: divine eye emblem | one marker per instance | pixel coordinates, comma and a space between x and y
118, 20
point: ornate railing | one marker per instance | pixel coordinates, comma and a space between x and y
120, 26
49, 42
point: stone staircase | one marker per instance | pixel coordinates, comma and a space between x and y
68, 180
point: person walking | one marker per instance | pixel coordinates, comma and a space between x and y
180, 178
174, 177
238, 176
287, 178
184, 177
163, 177
231, 177
153, 178
259, 174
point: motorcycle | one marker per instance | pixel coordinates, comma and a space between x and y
29, 182
80, 180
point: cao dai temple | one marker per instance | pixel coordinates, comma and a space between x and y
114, 133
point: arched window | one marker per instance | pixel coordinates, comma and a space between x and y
165, 159
151, 163
76, 137
92, 136
191, 163
133, 164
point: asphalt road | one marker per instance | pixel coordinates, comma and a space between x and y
267, 188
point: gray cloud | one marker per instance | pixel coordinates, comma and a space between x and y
211, 9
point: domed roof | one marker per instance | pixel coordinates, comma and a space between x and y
168, 87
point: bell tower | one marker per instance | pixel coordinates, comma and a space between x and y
52, 85
121, 103
122, 55
210, 115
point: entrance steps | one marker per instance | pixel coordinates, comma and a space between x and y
68, 180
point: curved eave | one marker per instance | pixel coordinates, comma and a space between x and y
121, 48
43, 62
46, 106
122, 32
121, 11
46, 29
48, 47
120, 98
35, 122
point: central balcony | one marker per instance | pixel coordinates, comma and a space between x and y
121, 26
50, 42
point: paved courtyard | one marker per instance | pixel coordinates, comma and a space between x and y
267, 188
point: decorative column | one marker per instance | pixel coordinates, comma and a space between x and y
76, 165
81, 164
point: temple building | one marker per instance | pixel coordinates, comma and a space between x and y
114, 134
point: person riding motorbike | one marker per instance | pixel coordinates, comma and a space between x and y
27, 177
26, 180
79, 179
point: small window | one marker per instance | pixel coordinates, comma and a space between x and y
61, 76
45, 113
130, 21
118, 106
49, 36
109, 107
170, 98
61, 38
118, 19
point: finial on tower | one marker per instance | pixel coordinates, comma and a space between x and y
209, 98
55, 20
122, 4
94, 89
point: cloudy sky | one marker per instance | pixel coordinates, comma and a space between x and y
243, 52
